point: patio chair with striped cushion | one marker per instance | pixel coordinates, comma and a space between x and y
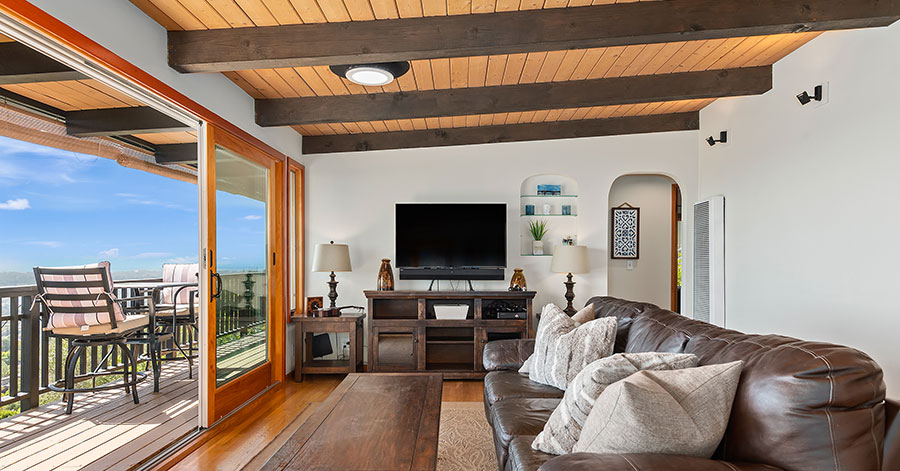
183, 303
82, 308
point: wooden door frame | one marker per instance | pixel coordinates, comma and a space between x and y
299, 228
299, 205
673, 288
228, 397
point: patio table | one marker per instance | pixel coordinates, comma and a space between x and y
150, 291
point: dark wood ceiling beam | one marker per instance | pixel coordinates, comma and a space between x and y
22, 64
514, 98
221, 50
121, 121
168, 154
505, 133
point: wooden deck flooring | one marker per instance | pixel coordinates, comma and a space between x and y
106, 429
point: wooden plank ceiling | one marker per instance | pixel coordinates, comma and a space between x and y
449, 73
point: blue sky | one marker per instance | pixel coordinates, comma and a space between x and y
63, 208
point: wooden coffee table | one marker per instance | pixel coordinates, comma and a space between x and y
371, 421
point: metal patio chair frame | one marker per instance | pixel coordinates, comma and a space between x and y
79, 343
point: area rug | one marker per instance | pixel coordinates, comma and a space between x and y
465, 442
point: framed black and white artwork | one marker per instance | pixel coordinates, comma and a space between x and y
625, 230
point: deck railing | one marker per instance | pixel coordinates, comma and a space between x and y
31, 359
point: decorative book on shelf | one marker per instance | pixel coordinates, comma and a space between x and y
405, 334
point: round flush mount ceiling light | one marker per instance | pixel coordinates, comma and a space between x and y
371, 75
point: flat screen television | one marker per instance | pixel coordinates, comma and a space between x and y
450, 241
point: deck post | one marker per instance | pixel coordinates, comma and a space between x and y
31, 355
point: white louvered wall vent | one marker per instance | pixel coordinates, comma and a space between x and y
709, 260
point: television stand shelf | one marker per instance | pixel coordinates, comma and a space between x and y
404, 334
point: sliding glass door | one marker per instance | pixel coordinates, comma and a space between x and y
241, 279
244, 320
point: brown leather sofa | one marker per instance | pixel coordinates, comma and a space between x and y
800, 406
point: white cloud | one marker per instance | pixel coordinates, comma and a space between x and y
252, 217
153, 255
110, 253
46, 243
182, 260
16, 204
162, 204
126, 195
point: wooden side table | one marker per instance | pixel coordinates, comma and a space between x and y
305, 328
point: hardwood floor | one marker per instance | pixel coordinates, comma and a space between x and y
247, 438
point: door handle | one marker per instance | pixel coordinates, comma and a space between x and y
215, 276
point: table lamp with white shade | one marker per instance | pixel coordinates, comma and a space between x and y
570, 259
331, 258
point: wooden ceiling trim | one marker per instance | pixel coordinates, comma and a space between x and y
487, 119
176, 153
512, 32
121, 122
502, 133
514, 98
22, 64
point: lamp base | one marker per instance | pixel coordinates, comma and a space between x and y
570, 296
332, 295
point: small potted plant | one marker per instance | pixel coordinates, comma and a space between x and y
538, 230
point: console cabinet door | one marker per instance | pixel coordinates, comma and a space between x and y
395, 349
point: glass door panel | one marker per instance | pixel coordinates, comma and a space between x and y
242, 280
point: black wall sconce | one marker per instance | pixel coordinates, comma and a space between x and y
723, 138
805, 98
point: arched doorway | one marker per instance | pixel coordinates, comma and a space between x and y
655, 276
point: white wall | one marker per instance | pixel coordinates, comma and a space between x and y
125, 30
650, 278
811, 197
351, 198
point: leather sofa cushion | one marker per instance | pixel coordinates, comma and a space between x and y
892, 436
803, 406
648, 334
623, 310
648, 462
499, 385
523, 458
518, 417
506, 354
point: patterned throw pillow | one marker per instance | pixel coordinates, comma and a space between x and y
586, 314
564, 427
562, 347
678, 412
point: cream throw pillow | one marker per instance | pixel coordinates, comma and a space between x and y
564, 427
586, 314
678, 412
562, 347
